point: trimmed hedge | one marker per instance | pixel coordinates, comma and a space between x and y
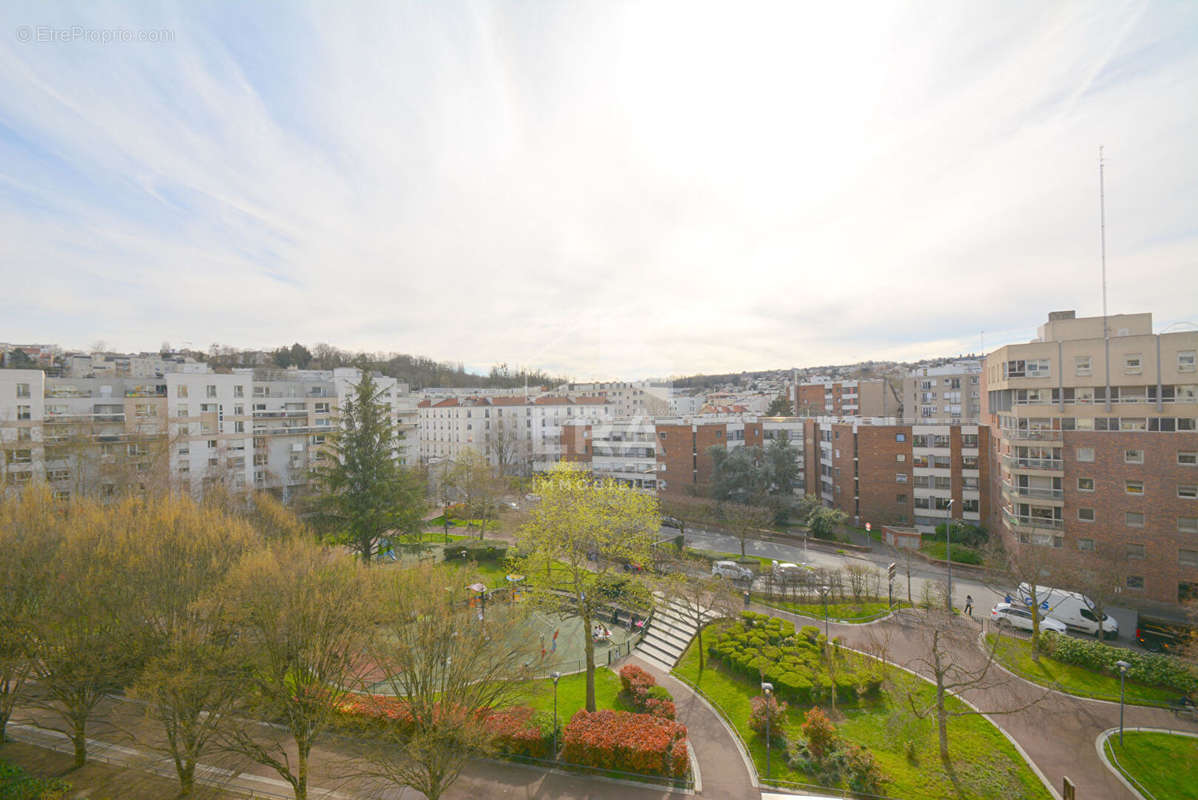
760, 647
517, 731
1153, 669
643, 694
621, 740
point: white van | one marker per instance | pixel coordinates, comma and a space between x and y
1071, 608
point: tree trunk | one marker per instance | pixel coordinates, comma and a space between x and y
742, 544
699, 639
942, 727
79, 739
301, 777
187, 778
590, 651
3, 727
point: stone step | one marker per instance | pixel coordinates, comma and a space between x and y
665, 645
679, 639
663, 657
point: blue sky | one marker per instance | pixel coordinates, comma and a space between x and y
600, 189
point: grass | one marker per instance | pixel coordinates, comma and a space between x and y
1016, 655
961, 553
572, 693
865, 611
987, 765
1164, 764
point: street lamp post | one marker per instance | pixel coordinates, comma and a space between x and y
767, 689
948, 554
556, 676
1123, 667
824, 590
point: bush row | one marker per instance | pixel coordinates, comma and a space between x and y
643, 694
515, 731
1154, 669
464, 551
17, 784
767, 648
628, 742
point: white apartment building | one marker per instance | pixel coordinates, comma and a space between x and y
627, 399
947, 394
256, 429
522, 432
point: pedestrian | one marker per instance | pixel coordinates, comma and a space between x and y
969, 605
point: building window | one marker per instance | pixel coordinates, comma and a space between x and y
24, 412
900, 457
1134, 519
1131, 364
1187, 524
1081, 365
1135, 581
900, 437
1187, 558
1038, 368
1186, 361
1085, 544
1134, 487
239, 390
181, 390
22, 390
1133, 456
900, 498
1085, 484
1085, 514
1135, 551
900, 477
212, 444
1187, 459
1188, 492
211, 390
1084, 454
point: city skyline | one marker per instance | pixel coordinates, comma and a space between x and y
596, 190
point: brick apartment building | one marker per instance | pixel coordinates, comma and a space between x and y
1097, 449
867, 398
886, 472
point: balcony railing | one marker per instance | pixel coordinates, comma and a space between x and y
1028, 491
1033, 463
1047, 435
1032, 522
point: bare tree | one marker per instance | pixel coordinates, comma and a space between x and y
477, 485
507, 445
1099, 577
450, 670
302, 614
1017, 570
700, 596
745, 521
955, 667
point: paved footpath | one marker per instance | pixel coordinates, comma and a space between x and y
1057, 732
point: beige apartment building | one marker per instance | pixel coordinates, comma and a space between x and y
948, 394
1096, 443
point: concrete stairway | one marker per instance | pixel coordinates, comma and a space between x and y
669, 633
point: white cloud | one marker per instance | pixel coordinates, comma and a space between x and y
600, 189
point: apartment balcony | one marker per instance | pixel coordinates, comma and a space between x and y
1045, 435
279, 414
1027, 524
1027, 491
1017, 462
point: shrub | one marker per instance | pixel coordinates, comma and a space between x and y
621, 740
775, 711
1154, 669
463, 551
17, 784
643, 694
820, 734
521, 732
863, 772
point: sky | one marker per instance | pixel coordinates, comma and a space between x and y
598, 189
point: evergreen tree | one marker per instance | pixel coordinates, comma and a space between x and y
364, 494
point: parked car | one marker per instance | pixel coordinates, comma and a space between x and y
731, 569
671, 522
1160, 637
788, 571
1005, 615
1071, 608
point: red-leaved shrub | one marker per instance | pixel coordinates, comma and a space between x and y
621, 740
643, 694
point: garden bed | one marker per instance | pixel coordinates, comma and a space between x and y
903, 746
1162, 765
850, 612
1016, 655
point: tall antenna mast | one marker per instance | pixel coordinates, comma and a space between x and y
1102, 237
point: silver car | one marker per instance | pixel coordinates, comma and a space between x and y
731, 569
1005, 615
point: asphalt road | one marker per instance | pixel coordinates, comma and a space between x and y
984, 596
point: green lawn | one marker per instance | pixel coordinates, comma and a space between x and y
987, 765
572, 693
1164, 764
837, 612
1016, 655
961, 553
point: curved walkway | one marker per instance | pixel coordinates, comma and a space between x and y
1057, 732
